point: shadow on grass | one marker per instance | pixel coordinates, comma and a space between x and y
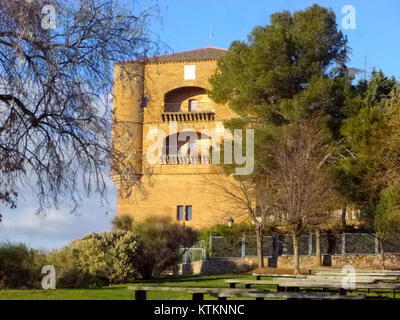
194, 279
169, 279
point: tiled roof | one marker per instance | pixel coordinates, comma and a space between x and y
208, 53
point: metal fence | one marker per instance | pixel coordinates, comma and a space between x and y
331, 244
194, 253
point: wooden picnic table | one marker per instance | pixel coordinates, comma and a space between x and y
224, 293
360, 274
248, 283
296, 284
359, 271
358, 278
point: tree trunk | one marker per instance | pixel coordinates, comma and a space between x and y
318, 247
382, 254
344, 211
260, 255
296, 254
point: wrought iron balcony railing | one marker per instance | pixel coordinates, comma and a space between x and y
188, 116
181, 159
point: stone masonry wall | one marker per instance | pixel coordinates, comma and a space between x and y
229, 265
164, 187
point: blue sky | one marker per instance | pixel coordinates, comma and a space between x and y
185, 25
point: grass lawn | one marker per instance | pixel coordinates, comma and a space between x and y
120, 292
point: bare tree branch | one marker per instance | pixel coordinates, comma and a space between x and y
56, 94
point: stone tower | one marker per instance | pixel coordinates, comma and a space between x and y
129, 116
167, 94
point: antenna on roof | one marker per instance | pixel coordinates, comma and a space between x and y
210, 34
365, 66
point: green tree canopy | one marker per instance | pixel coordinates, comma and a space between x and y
379, 87
286, 73
370, 162
283, 72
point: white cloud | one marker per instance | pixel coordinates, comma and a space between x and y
56, 228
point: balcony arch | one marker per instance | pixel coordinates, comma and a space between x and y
187, 99
187, 151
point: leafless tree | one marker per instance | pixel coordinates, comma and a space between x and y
298, 190
56, 91
241, 196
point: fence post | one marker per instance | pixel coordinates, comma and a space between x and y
343, 243
310, 244
204, 250
276, 245
376, 244
210, 245
243, 246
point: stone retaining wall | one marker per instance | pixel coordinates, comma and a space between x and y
215, 266
237, 265
356, 260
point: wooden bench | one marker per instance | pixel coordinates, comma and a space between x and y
286, 296
288, 285
263, 275
224, 293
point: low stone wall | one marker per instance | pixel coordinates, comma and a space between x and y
215, 266
356, 260
237, 265
391, 260
287, 262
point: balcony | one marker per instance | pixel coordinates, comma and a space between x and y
187, 104
181, 159
188, 116
191, 105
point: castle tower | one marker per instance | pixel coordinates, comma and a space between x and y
128, 121
170, 91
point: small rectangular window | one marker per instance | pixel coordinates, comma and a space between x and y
188, 212
180, 212
190, 72
193, 103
